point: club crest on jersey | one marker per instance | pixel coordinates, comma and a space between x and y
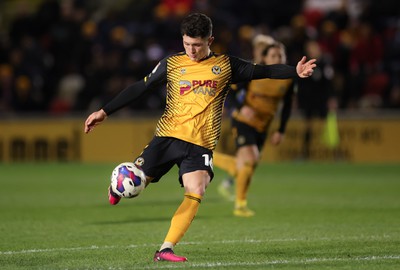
139, 161
216, 70
241, 140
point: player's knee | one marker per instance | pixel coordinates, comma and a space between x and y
196, 189
196, 182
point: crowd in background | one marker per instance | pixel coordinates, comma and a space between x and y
69, 56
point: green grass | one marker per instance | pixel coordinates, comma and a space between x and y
308, 216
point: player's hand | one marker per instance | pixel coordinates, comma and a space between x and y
247, 112
94, 119
276, 138
305, 69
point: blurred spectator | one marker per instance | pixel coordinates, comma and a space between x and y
6, 85
102, 41
316, 96
69, 87
22, 99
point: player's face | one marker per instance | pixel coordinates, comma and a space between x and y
273, 56
197, 48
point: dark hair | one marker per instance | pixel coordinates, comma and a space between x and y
196, 25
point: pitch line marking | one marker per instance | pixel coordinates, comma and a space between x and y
94, 247
275, 262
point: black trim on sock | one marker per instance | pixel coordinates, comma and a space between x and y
193, 198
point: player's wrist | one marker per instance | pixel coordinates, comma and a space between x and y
103, 113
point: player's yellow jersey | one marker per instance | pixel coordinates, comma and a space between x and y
195, 96
195, 93
264, 97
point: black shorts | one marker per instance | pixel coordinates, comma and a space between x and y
162, 153
247, 135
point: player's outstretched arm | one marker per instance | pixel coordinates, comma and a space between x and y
305, 69
94, 119
277, 71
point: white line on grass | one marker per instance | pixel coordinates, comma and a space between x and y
275, 262
27, 251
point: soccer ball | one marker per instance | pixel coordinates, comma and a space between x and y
127, 180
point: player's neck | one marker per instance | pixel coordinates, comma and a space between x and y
208, 55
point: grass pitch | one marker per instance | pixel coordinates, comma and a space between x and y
308, 216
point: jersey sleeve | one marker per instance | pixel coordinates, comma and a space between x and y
243, 71
152, 81
277, 71
286, 109
158, 75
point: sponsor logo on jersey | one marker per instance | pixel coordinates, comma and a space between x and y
205, 87
184, 86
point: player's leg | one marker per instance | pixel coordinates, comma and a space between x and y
249, 143
225, 162
228, 164
195, 184
226, 188
247, 158
195, 174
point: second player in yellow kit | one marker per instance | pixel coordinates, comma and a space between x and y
250, 124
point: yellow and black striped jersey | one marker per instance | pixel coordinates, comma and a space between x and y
196, 92
264, 97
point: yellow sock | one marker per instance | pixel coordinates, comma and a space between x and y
225, 162
242, 184
183, 217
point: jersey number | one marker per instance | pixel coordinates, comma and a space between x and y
207, 160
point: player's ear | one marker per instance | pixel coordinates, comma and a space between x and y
210, 41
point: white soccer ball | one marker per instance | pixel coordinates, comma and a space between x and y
127, 180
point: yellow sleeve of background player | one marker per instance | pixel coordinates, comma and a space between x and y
234, 87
